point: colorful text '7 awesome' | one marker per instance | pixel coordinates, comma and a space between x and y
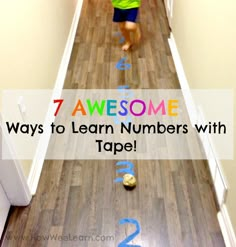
111, 107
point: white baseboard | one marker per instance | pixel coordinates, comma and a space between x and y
196, 115
226, 227
40, 155
220, 183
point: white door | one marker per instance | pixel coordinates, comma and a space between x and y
4, 208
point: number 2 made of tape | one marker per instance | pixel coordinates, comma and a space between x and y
129, 238
121, 65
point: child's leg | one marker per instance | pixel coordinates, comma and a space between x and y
127, 23
126, 28
133, 27
126, 34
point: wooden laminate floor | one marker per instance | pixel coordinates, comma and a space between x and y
78, 200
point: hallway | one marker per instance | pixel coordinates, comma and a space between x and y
173, 202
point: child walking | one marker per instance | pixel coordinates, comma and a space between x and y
125, 13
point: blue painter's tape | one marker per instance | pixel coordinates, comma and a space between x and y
128, 170
121, 65
122, 39
129, 238
125, 94
123, 87
126, 121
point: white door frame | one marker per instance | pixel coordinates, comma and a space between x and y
4, 208
12, 178
169, 9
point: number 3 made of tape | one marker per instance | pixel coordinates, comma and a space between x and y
129, 169
121, 65
129, 238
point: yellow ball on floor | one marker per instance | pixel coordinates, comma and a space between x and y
129, 181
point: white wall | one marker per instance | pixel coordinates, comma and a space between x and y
205, 35
33, 39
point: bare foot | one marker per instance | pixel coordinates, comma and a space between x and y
137, 35
126, 46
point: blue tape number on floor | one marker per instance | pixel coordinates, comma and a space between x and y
128, 170
125, 94
129, 238
122, 39
121, 65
